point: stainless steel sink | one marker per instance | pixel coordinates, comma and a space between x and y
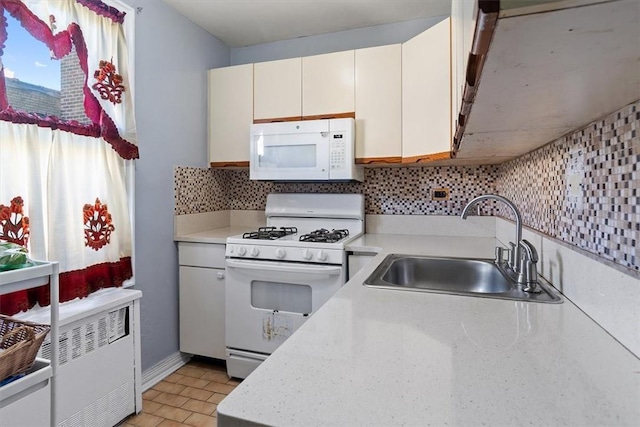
458, 276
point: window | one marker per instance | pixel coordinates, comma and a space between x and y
67, 141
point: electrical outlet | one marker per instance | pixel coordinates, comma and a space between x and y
440, 194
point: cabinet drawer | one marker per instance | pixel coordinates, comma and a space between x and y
201, 254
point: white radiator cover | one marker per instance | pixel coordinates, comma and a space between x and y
98, 380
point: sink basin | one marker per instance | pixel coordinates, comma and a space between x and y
458, 276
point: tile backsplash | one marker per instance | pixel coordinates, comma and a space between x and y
388, 190
197, 190
582, 188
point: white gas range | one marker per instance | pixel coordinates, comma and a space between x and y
279, 275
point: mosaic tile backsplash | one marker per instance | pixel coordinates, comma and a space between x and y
582, 188
390, 191
199, 190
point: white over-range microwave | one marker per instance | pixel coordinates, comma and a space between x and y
308, 150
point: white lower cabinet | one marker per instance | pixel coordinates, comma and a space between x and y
202, 301
357, 260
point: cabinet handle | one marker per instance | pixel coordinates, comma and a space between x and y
220, 276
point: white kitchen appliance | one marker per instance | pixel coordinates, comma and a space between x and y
279, 275
309, 150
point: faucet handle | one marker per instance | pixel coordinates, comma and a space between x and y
529, 251
512, 257
528, 261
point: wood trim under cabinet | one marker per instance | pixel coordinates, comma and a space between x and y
239, 164
378, 160
278, 119
486, 22
447, 155
350, 115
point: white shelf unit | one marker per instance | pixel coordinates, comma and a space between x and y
16, 396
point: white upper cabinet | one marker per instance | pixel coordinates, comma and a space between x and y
230, 114
463, 24
426, 95
550, 68
378, 104
277, 89
328, 84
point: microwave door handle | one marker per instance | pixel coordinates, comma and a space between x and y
285, 268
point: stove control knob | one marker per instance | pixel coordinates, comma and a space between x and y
255, 252
230, 249
241, 251
306, 254
322, 255
280, 253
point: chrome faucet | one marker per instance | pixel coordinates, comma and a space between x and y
522, 256
514, 253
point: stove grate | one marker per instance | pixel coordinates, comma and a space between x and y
270, 233
325, 236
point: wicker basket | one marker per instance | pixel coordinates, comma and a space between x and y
19, 342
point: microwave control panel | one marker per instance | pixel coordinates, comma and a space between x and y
337, 151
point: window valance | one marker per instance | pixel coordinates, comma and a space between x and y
111, 118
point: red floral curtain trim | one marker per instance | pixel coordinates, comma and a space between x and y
60, 44
103, 9
73, 284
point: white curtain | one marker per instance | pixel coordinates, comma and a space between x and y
74, 188
56, 174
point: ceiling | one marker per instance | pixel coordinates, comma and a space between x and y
240, 23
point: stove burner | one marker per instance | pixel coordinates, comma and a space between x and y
270, 233
325, 236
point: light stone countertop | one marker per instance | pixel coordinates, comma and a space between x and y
375, 357
216, 235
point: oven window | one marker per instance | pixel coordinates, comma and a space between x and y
281, 296
288, 156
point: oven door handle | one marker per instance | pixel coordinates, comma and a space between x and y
285, 268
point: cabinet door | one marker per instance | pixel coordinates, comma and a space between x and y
328, 84
230, 115
426, 95
357, 261
277, 91
378, 104
463, 23
202, 311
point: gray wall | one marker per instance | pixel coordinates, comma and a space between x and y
333, 42
172, 56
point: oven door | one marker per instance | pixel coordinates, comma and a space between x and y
267, 301
290, 151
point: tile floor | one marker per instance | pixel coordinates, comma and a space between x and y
188, 397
